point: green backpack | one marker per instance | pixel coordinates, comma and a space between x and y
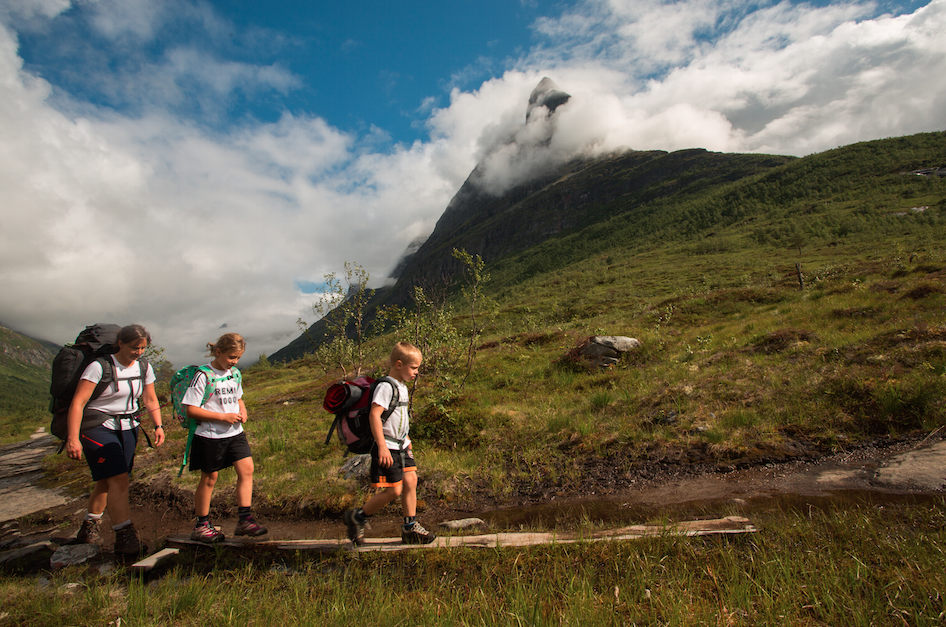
180, 381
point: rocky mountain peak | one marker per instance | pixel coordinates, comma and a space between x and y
546, 94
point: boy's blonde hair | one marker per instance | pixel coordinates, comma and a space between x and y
403, 351
226, 343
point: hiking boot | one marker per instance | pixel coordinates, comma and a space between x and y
249, 527
416, 534
205, 532
356, 530
127, 542
89, 532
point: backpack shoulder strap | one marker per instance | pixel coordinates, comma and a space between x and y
191, 423
395, 398
143, 369
108, 375
211, 379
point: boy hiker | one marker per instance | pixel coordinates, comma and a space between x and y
392, 458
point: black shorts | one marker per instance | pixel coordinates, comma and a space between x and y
109, 453
393, 475
210, 455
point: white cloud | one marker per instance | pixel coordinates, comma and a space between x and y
154, 221
151, 218
787, 79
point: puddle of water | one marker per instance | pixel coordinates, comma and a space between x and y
609, 513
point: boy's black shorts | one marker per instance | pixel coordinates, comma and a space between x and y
210, 455
394, 474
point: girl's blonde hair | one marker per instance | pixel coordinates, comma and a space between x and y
403, 351
226, 343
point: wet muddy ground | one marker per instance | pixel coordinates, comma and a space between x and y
907, 470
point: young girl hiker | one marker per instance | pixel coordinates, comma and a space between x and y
109, 448
392, 458
219, 441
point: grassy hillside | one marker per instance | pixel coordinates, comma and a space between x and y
572, 199
24, 381
862, 192
738, 366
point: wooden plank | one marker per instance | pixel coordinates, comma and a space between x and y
728, 525
151, 561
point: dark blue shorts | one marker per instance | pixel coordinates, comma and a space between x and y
109, 453
214, 454
393, 474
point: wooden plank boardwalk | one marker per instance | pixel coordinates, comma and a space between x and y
717, 526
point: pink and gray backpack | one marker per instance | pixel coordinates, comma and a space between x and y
350, 401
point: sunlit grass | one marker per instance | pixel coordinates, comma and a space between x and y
857, 565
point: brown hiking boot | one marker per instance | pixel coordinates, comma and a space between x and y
89, 532
127, 542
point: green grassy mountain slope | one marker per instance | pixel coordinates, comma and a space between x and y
577, 196
862, 192
707, 201
24, 380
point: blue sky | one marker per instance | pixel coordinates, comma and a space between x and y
239, 151
358, 65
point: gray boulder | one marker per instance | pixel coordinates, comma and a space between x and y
604, 351
357, 467
620, 343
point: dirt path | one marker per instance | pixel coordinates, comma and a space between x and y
909, 467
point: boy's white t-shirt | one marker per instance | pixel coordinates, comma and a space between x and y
225, 399
398, 424
121, 399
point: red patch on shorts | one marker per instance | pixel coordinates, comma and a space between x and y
101, 459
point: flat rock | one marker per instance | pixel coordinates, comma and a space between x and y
463, 523
73, 554
20, 471
923, 468
26, 551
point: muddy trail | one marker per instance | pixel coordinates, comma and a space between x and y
911, 470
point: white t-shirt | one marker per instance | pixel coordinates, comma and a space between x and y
398, 424
119, 397
225, 399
